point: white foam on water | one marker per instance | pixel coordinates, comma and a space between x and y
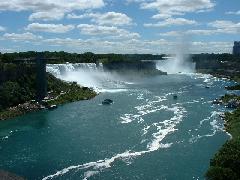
162, 130
112, 90
145, 130
216, 126
145, 108
155, 138
100, 165
166, 127
88, 174
8, 135
140, 97
96, 166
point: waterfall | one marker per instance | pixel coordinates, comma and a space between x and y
89, 75
178, 64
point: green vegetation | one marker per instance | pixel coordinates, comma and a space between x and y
219, 65
17, 84
68, 92
226, 163
88, 57
18, 90
236, 87
228, 97
18, 80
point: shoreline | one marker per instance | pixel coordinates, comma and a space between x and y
75, 93
225, 163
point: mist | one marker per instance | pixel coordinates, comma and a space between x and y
89, 75
180, 62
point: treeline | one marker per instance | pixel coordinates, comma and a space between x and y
217, 61
202, 60
88, 57
17, 84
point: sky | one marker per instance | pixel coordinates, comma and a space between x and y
119, 26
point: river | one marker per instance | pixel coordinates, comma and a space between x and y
145, 134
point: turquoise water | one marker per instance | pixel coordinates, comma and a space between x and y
145, 134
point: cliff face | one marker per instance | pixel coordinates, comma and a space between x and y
142, 68
217, 62
136, 65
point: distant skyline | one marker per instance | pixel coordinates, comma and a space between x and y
119, 26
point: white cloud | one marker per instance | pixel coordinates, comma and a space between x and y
109, 18
47, 5
115, 32
233, 12
198, 32
176, 7
172, 33
52, 28
205, 32
43, 6
211, 47
219, 27
6, 50
137, 46
127, 45
227, 27
21, 37
46, 16
161, 16
2, 28
172, 21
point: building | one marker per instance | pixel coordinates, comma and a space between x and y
236, 48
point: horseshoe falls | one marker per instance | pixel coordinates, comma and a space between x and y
145, 134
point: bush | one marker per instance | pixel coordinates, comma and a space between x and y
219, 173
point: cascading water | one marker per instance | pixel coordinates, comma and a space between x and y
88, 74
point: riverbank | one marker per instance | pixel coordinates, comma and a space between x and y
226, 162
63, 93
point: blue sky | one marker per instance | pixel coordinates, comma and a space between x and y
119, 26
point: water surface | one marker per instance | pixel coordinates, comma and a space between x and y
145, 134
